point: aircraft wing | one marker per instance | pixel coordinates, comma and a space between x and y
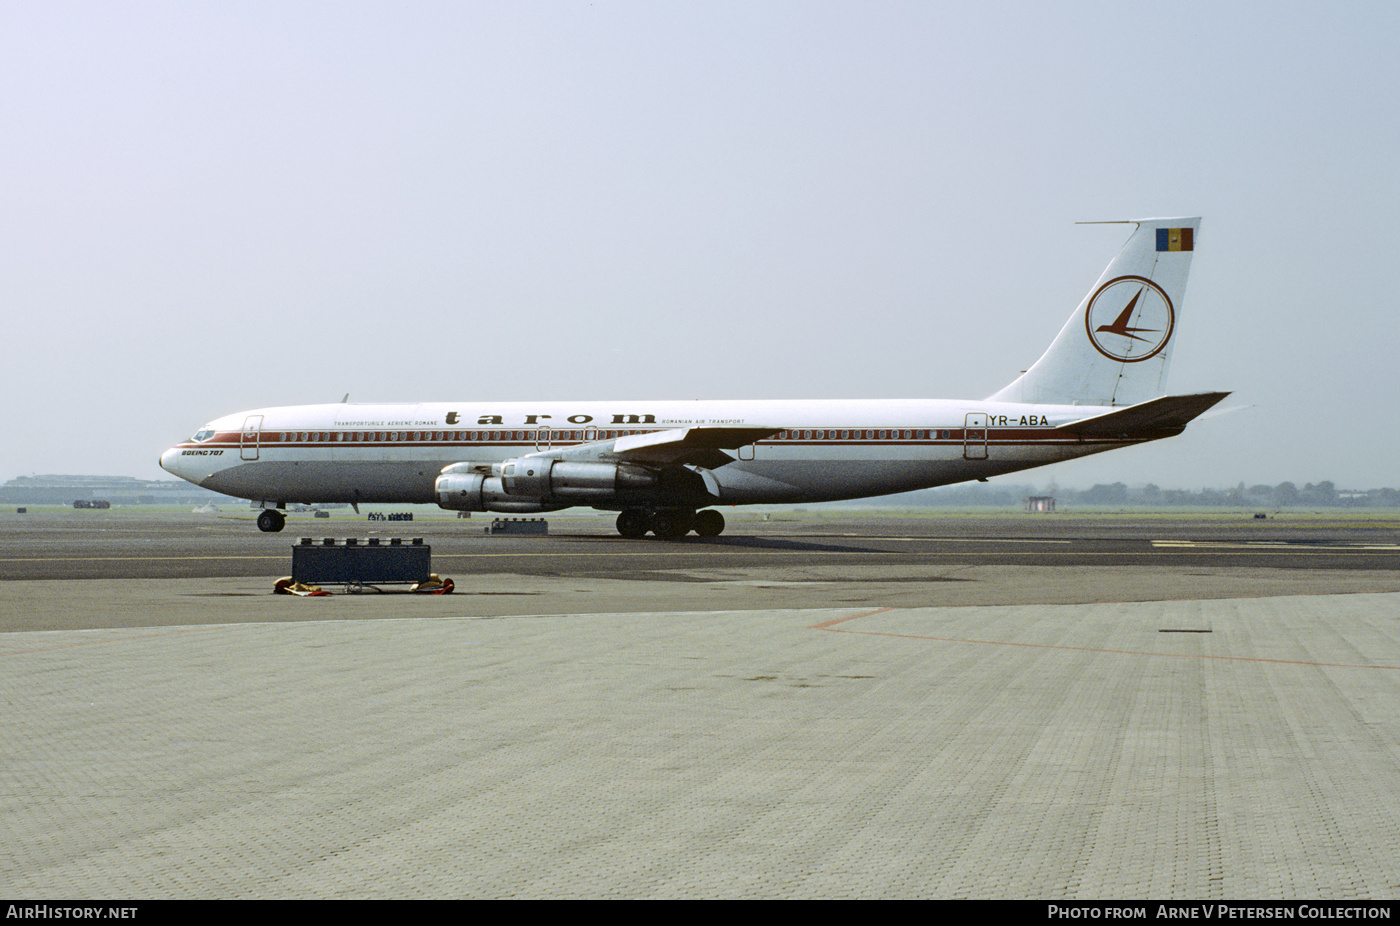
700, 446
1168, 413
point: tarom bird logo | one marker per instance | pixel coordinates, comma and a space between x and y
1120, 324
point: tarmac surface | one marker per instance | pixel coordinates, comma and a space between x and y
818, 706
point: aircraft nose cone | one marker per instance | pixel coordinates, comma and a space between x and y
167, 460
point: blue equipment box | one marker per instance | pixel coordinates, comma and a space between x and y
373, 562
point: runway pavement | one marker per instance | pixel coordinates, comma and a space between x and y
832, 706
127, 544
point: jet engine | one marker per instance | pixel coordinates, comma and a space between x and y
543, 477
477, 492
531, 484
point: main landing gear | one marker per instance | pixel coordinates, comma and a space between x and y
669, 523
271, 521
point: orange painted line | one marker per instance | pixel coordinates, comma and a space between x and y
827, 625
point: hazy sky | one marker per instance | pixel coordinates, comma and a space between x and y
209, 207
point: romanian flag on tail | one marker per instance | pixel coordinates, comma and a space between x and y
1175, 239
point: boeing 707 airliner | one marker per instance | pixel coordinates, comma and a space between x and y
664, 465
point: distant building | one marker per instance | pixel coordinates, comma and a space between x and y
1040, 503
119, 490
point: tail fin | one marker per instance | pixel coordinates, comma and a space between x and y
1116, 347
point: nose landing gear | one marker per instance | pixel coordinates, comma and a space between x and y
271, 521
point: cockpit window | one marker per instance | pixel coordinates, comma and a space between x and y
203, 434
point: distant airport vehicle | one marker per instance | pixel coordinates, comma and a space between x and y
661, 465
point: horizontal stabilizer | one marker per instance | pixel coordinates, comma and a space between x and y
1171, 412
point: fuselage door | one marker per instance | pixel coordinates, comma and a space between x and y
252, 431
544, 438
975, 436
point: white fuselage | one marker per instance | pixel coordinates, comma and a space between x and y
1099, 385
821, 451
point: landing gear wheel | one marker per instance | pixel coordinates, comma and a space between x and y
709, 523
632, 523
670, 525
271, 521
